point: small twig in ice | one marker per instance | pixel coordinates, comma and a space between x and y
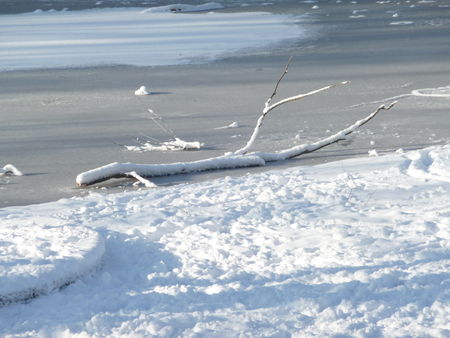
158, 120
286, 68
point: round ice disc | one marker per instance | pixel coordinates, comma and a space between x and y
35, 260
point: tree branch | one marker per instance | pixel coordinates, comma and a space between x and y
268, 108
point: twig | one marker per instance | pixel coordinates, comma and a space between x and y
281, 78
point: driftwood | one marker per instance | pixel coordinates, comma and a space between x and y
238, 159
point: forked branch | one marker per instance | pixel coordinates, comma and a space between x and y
239, 159
269, 107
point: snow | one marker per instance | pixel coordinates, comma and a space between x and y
10, 169
443, 92
152, 170
173, 145
37, 257
131, 36
142, 90
401, 23
232, 125
352, 248
175, 8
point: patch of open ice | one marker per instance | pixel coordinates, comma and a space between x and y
36, 258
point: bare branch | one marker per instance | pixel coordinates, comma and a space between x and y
302, 96
281, 78
267, 109
311, 147
238, 159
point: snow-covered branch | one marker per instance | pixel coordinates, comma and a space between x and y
268, 108
311, 147
118, 170
239, 159
138, 171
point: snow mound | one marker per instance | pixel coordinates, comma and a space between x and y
36, 259
9, 169
176, 8
432, 92
173, 145
429, 164
142, 91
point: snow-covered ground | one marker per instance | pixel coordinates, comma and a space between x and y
135, 36
359, 247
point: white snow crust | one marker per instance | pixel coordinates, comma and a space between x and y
36, 258
130, 36
173, 145
357, 248
142, 90
10, 169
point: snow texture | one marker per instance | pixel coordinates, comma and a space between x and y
152, 170
142, 91
174, 145
356, 248
36, 257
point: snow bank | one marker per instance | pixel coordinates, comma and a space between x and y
36, 258
429, 164
356, 248
131, 36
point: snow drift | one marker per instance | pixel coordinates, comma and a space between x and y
352, 248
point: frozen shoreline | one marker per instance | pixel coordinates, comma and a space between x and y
357, 247
58, 123
354, 248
